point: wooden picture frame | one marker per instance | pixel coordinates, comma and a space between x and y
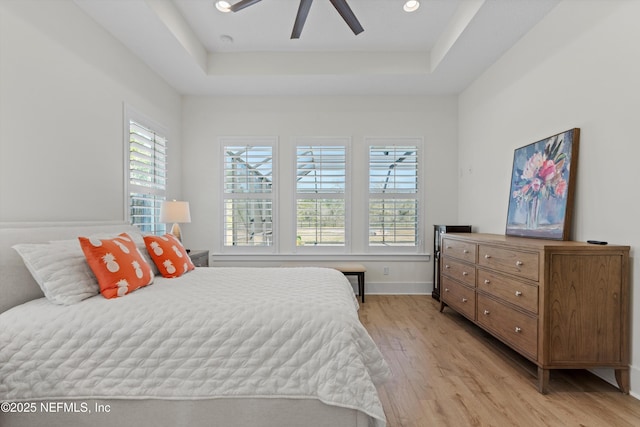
543, 187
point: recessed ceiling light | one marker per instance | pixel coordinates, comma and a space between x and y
224, 6
225, 38
411, 6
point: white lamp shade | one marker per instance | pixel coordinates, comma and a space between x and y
175, 211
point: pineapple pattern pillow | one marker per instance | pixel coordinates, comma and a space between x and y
169, 255
117, 264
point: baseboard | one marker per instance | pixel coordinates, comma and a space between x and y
609, 376
635, 382
401, 288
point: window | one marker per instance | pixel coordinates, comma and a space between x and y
393, 195
320, 195
147, 180
248, 195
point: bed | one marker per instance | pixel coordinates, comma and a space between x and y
214, 347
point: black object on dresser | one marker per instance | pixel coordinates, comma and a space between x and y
438, 231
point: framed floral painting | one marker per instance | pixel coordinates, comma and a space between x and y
543, 186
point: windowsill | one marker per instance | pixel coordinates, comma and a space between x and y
400, 257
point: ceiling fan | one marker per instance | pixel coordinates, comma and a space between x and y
303, 10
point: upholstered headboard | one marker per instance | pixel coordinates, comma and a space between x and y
17, 286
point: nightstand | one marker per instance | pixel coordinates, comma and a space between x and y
199, 258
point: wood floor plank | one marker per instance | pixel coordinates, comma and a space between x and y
448, 372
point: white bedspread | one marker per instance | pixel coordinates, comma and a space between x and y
215, 332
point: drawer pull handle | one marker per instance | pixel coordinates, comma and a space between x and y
448, 247
464, 273
487, 256
464, 300
486, 312
519, 263
446, 289
465, 251
446, 266
518, 329
518, 293
487, 281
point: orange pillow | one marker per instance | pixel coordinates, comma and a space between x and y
169, 255
117, 264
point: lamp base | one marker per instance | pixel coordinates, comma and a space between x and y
175, 230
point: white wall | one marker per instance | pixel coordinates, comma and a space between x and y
63, 82
579, 67
205, 119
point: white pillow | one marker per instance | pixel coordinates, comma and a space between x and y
137, 239
61, 271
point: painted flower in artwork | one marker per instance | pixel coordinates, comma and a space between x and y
541, 178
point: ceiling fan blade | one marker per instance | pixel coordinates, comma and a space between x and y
242, 4
347, 14
301, 17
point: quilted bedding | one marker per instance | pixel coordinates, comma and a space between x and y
215, 332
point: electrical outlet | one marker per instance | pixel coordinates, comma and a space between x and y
386, 271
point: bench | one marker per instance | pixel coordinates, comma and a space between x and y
346, 268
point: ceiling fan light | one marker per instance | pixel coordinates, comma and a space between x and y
411, 5
223, 6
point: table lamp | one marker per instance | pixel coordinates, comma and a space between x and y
175, 212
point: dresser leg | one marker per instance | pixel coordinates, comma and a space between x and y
543, 380
442, 304
623, 380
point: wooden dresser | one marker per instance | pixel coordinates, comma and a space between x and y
561, 304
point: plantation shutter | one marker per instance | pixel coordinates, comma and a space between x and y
320, 195
393, 195
147, 177
248, 195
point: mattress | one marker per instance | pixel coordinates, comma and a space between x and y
212, 333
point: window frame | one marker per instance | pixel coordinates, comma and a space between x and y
346, 195
272, 141
284, 197
132, 115
418, 142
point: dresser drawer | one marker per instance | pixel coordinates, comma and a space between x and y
461, 250
459, 270
514, 291
513, 327
519, 263
459, 297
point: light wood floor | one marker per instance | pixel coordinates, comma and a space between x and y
448, 372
